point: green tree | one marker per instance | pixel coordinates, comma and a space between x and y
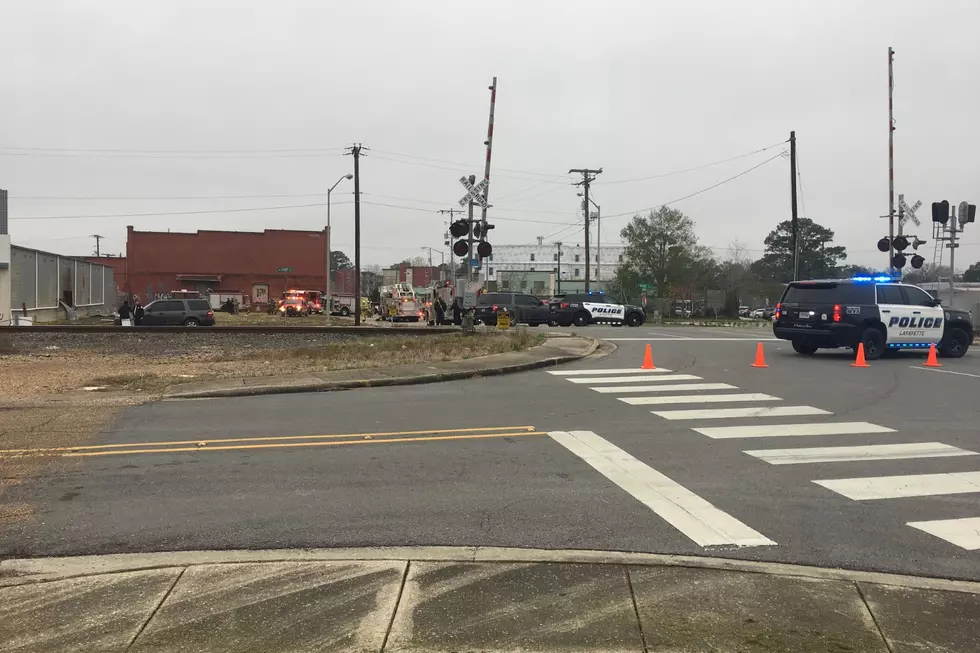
847, 271
339, 261
925, 274
661, 249
818, 258
972, 273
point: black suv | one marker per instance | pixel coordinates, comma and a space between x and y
882, 314
178, 312
586, 308
522, 307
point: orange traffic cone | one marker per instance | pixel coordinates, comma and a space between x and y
760, 359
931, 361
860, 362
648, 360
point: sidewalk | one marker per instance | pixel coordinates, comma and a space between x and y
471, 599
553, 352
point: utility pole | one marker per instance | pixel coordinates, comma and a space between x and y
792, 192
97, 239
558, 277
355, 151
891, 166
449, 243
469, 237
952, 255
587, 178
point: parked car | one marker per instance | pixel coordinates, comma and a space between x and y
178, 312
523, 308
758, 313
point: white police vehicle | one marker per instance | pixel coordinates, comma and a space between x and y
881, 313
582, 309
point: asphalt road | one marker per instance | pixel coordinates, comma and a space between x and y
539, 460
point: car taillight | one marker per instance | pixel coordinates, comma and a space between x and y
778, 311
494, 308
564, 305
836, 312
210, 313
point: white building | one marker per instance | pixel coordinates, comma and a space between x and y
544, 258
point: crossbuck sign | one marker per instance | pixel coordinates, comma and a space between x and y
473, 192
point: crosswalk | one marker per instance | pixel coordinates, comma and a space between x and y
694, 398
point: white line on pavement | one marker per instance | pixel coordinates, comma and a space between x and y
675, 339
913, 485
861, 452
780, 430
663, 377
933, 369
666, 388
625, 370
698, 399
698, 519
621, 379
964, 533
733, 413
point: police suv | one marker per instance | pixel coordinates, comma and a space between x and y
883, 314
589, 308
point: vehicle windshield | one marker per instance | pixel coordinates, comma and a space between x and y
829, 293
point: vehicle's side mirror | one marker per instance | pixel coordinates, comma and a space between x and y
936, 302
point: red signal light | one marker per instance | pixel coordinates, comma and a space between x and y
836, 312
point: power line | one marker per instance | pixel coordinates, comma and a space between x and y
700, 167
173, 197
415, 208
463, 168
466, 165
146, 215
107, 155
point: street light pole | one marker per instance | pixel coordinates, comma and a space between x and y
598, 237
330, 241
441, 254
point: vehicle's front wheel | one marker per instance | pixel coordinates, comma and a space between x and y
344, 311
954, 343
801, 347
192, 322
553, 323
581, 319
874, 343
634, 320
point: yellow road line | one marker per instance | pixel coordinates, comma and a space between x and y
286, 445
258, 439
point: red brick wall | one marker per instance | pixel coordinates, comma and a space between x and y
343, 282
240, 259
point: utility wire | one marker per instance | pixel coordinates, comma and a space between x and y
700, 167
495, 218
146, 215
174, 197
466, 165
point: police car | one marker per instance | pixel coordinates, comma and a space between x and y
883, 314
591, 308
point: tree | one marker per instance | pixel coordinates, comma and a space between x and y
972, 273
339, 261
419, 262
926, 273
736, 278
818, 258
661, 249
847, 271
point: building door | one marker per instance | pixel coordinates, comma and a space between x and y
260, 293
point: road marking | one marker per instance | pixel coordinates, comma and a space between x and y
933, 369
274, 438
964, 533
733, 413
290, 445
913, 485
699, 520
676, 338
865, 452
635, 379
781, 430
698, 399
625, 370
669, 387
665, 377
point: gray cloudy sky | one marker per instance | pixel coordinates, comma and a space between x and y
640, 88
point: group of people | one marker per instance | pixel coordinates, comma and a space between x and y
440, 308
127, 312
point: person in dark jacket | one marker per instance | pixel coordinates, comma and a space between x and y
440, 306
457, 312
138, 314
125, 311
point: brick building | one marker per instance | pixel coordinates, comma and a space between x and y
259, 264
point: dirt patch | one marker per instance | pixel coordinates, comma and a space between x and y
151, 363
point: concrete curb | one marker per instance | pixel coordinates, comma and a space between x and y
450, 375
22, 571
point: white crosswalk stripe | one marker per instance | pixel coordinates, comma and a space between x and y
627, 370
663, 378
964, 533
785, 430
698, 519
861, 452
910, 485
665, 388
698, 399
624, 379
733, 413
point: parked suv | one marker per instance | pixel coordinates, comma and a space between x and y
178, 312
522, 307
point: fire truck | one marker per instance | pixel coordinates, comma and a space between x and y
399, 303
309, 297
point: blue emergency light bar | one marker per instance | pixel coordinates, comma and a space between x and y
878, 279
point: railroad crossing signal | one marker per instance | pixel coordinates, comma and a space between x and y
908, 212
940, 212
474, 192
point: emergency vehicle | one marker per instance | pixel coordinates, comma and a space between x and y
399, 303
312, 299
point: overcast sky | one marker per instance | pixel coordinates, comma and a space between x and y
178, 90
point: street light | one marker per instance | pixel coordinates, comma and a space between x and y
330, 241
441, 253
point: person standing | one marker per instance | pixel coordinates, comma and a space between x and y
457, 312
440, 306
138, 313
